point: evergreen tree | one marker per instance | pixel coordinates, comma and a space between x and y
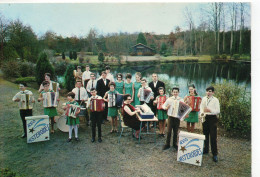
70, 55
163, 49
101, 57
141, 39
43, 66
63, 55
69, 78
75, 56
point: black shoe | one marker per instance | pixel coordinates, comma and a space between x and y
24, 136
175, 147
77, 139
205, 151
166, 147
93, 140
215, 158
69, 140
99, 140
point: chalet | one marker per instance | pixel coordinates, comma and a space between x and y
142, 50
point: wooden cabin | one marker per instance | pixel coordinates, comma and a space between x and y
142, 50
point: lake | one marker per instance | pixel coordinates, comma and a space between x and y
201, 74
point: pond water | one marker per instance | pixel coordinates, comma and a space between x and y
201, 74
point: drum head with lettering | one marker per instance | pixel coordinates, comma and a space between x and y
61, 124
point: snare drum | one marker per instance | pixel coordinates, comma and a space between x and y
61, 124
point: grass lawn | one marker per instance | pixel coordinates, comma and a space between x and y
56, 157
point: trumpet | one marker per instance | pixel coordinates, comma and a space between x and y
202, 116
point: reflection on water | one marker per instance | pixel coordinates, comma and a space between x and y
201, 74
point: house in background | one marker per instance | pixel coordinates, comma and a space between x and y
142, 50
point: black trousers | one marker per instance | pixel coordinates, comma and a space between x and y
96, 120
210, 132
105, 112
23, 114
173, 124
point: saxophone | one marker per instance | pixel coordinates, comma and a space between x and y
202, 116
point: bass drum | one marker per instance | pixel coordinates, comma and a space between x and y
61, 124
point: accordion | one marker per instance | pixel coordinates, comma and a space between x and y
97, 105
72, 110
146, 112
145, 95
55, 86
119, 100
161, 100
77, 75
25, 101
111, 100
50, 99
194, 103
180, 109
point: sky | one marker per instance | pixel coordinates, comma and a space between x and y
68, 19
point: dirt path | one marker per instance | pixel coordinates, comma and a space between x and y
59, 158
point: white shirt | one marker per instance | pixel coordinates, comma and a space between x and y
212, 104
89, 85
86, 75
170, 102
83, 93
23, 92
155, 83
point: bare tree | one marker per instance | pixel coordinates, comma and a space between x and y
242, 17
189, 20
233, 13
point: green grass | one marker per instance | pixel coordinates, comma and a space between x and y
56, 157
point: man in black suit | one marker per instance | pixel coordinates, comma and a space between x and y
102, 87
154, 85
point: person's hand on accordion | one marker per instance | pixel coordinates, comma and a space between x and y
40, 99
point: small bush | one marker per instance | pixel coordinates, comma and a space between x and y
81, 59
60, 68
214, 57
235, 108
236, 56
69, 78
101, 57
11, 69
25, 79
224, 56
27, 69
89, 53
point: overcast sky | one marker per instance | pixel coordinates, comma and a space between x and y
77, 19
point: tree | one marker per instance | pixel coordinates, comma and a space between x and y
43, 66
163, 49
3, 34
101, 57
69, 78
141, 39
63, 55
171, 39
70, 55
74, 55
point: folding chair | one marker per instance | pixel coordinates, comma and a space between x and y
122, 126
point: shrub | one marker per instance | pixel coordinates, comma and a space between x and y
27, 69
235, 108
60, 68
214, 57
63, 55
70, 55
74, 55
101, 57
69, 78
11, 69
25, 79
81, 59
43, 66
224, 56
236, 56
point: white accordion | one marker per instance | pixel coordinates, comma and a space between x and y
26, 101
50, 99
180, 109
111, 100
145, 95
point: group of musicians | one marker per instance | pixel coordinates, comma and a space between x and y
87, 87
